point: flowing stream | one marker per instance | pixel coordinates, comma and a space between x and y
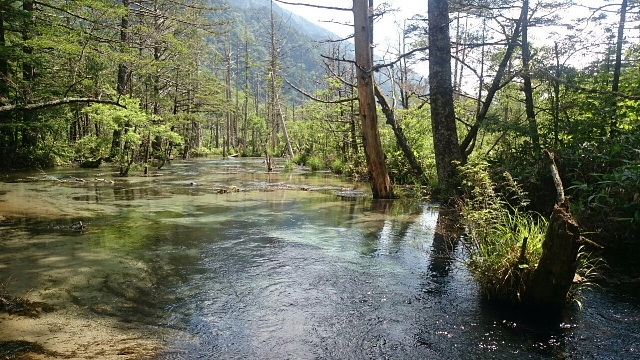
216, 259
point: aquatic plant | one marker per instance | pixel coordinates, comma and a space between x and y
289, 166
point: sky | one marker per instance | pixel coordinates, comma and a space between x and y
385, 30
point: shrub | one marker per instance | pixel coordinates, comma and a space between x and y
505, 240
203, 152
338, 166
289, 166
315, 163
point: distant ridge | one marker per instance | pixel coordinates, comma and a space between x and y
303, 42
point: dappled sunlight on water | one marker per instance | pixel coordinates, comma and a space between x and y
217, 259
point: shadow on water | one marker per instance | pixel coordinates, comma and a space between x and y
219, 260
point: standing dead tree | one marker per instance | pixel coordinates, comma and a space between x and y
363, 37
553, 277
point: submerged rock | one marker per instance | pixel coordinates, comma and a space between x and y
78, 226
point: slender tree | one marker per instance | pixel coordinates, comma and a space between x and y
526, 77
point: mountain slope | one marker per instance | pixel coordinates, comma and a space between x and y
301, 42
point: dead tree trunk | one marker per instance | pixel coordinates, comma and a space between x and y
553, 277
363, 36
401, 139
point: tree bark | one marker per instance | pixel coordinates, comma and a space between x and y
526, 77
443, 121
552, 279
363, 37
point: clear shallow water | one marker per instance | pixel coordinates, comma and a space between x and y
293, 266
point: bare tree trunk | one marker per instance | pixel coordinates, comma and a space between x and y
443, 121
527, 86
4, 66
556, 98
245, 105
122, 83
363, 36
617, 66
401, 139
226, 147
7, 134
29, 118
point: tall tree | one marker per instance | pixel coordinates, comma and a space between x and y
123, 76
526, 77
443, 120
275, 83
363, 38
617, 66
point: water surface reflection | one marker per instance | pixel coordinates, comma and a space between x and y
219, 260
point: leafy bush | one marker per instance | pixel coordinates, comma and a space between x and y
338, 166
204, 152
315, 163
92, 147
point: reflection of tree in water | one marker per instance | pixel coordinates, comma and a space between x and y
384, 232
442, 256
445, 243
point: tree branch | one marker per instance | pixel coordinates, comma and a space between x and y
405, 55
47, 104
549, 76
339, 101
314, 6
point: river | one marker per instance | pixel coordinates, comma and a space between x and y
217, 259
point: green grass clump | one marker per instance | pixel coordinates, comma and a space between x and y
498, 261
505, 242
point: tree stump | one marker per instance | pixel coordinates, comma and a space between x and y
553, 277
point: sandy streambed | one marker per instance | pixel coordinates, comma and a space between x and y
96, 304
95, 300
